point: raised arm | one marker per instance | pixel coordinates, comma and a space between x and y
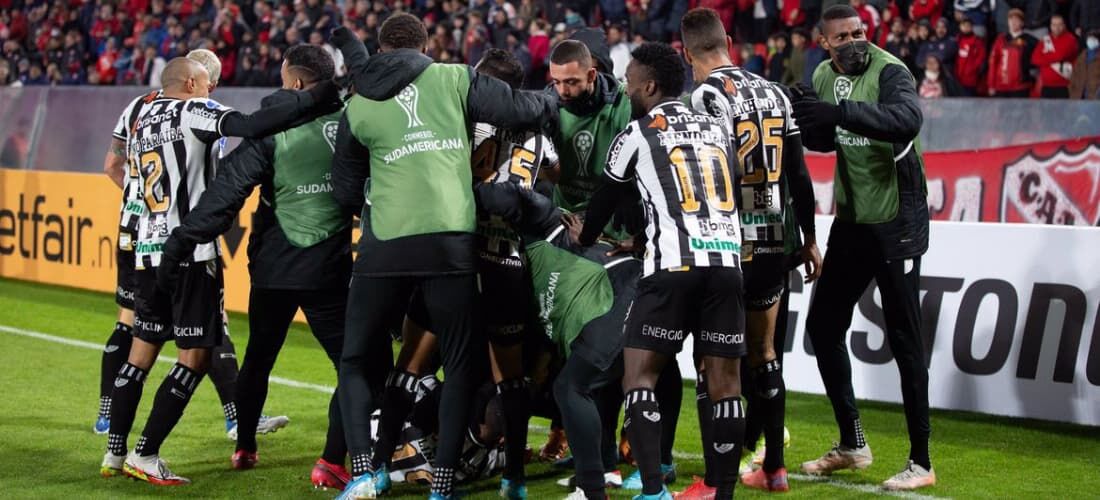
492, 101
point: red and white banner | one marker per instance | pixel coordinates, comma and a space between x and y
1045, 183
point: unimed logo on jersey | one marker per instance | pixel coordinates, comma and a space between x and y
715, 245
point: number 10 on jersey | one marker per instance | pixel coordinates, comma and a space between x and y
699, 168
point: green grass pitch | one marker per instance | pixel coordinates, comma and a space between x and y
49, 396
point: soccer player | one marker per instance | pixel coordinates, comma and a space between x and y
407, 130
684, 165
595, 109
168, 147
864, 106
223, 369
500, 156
583, 296
299, 255
757, 117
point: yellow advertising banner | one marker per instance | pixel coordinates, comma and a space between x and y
61, 228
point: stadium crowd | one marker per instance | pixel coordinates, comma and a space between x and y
955, 48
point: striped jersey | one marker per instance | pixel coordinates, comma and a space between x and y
758, 116
685, 170
501, 155
132, 205
172, 143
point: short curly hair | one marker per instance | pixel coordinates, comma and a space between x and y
663, 65
403, 31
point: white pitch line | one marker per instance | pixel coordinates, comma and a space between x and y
862, 488
163, 359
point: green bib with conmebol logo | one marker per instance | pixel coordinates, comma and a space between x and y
582, 144
865, 183
419, 143
304, 205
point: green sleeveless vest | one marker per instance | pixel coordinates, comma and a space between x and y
571, 291
420, 155
304, 206
582, 143
865, 183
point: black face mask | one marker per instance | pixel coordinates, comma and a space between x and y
853, 57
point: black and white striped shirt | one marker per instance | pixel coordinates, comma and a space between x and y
172, 143
684, 166
132, 205
501, 155
758, 118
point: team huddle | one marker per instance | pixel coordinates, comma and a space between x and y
549, 251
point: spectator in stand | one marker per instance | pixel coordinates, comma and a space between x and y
35, 76
249, 75
498, 30
663, 18
814, 56
750, 61
977, 11
970, 64
318, 39
53, 74
899, 44
1054, 57
941, 45
538, 44
1084, 16
476, 39
149, 66
922, 41
937, 82
777, 57
1085, 81
619, 49
883, 34
513, 43
791, 15
926, 9
6, 77
1010, 60
1037, 15
869, 15
796, 59
529, 10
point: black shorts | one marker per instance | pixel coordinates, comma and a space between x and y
764, 278
125, 284
504, 304
192, 314
703, 301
